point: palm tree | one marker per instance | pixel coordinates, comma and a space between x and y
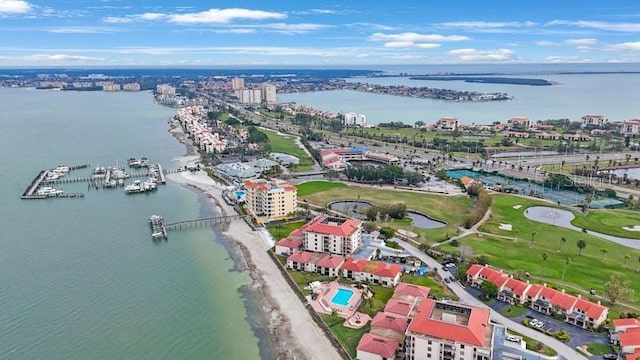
626, 258
563, 240
544, 256
533, 236
581, 245
566, 265
604, 252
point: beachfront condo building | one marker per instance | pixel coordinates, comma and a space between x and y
442, 330
237, 83
268, 93
270, 200
332, 235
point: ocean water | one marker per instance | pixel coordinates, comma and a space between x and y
612, 95
81, 278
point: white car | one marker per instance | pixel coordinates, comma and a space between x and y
539, 325
533, 322
512, 338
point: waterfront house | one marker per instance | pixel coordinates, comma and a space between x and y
518, 123
595, 120
374, 347
447, 123
373, 272
288, 246
630, 128
332, 235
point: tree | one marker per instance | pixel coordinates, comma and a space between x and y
563, 240
489, 289
465, 252
581, 246
533, 236
545, 257
604, 252
615, 289
566, 265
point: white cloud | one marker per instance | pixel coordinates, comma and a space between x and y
581, 42
599, 25
223, 16
498, 55
625, 46
79, 30
211, 16
370, 26
405, 57
14, 6
547, 43
567, 59
413, 40
60, 57
291, 28
235, 31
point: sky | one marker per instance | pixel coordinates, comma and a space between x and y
322, 33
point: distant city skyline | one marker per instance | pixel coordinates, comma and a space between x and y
40, 33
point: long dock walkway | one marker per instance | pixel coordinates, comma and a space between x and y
159, 228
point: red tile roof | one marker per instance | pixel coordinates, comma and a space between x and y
474, 270
390, 321
466, 180
301, 257
631, 338
356, 265
592, 310
473, 333
398, 307
292, 244
330, 261
535, 290
413, 290
374, 344
347, 228
629, 322
387, 270
518, 287
296, 234
566, 301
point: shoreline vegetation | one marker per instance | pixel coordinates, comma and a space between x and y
487, 80
284, 334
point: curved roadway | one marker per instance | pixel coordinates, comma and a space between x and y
564, 351
563, 218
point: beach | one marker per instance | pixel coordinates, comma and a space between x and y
293, 333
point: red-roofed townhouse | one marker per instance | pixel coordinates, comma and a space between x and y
513, 291
622, 327
288, 246
329, 265
421, 292
332, 235
478, 273
629, 341
449, 331
383, 322
587, 315
633, 356
301, 261
374, 347
399, 307
372, 272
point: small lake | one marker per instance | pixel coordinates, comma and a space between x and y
354, 209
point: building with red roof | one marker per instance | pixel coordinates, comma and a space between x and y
400, 307
373, 272
332, 235
329, 265
374, 347
418, 291
388, 321
626, 333
270, 200
449, 331
576, 310
301, 261
288, 246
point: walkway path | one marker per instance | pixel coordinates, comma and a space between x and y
563, 218
562, 349
467, 232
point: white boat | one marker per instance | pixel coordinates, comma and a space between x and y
52, 175
61, 169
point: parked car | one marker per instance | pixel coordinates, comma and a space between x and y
447, 280
610, 356
539, 325
512, 338
533, 322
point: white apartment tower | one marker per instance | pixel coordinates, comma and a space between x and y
268, 93
237, 83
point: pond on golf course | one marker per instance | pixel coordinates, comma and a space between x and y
356, 208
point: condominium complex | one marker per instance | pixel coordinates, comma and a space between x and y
353, 119
268, 93
237, 83
270, 200
332, 235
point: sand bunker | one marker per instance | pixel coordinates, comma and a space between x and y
632, 228
506, 227
517, 206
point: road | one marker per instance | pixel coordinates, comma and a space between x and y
466, 298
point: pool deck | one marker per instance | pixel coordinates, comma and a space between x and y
323, 305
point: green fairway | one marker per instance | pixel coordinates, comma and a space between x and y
450, 209
513, 253
280, 231
312, 187
288, 145
610, 222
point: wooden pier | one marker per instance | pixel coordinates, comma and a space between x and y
35, 183
159, 228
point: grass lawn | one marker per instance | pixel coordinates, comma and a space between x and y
303, 278
381, 295
280, 231
437, 288
599, 348
514, 255
287, 145
610, 222
535, 345
450, 209
513, 311
347, 337
312, 187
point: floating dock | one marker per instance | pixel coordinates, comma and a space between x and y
158, 229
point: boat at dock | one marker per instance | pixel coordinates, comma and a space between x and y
139, 186
138, 163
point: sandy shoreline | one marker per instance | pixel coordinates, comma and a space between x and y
293, 332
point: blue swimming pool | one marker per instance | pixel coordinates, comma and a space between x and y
342, 297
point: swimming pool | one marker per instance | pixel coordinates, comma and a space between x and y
342, 297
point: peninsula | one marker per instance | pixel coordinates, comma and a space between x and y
487, 80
